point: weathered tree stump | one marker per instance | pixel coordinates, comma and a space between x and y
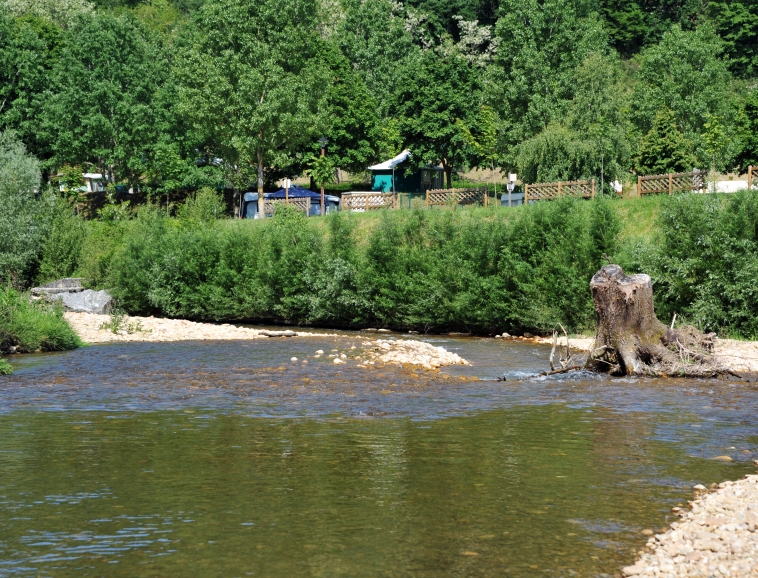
631, 340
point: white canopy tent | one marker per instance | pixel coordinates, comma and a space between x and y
392, 163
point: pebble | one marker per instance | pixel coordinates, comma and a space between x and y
293, 358
717, 537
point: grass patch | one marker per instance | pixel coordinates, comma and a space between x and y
33, 326
5, 367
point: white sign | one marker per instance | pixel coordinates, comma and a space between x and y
286, 183
512, 177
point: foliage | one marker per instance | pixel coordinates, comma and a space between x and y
664, 149
62, 249
705, 267
33, 325
249, 80
685, 74
61, 12
5, 367
117, 323
436, 91
100, 109
737, 25
541, 45
204, 206
484, 144
24, 213
321, 170
416, 269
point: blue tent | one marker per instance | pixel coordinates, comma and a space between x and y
250, 201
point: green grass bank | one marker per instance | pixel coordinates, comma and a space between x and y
27, 326
480, 270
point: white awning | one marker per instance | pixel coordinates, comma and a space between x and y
392, 163
92, 175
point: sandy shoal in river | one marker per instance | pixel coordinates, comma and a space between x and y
397, 352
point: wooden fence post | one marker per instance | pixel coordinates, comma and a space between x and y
560, 188
593, 188
749, 177
671, 184
526, 194
427, 198
366, 209
639, 186
486, 197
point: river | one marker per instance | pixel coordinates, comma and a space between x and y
228, 459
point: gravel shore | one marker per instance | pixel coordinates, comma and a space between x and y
717, 537
392, 351
740, 356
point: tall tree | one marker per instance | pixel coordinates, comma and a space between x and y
250, 81
28, 50
686, 73
664, 149
100, 110
439, 89
541, 44
736, 22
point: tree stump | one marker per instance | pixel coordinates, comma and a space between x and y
631, 340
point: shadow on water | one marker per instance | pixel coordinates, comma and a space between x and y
228, 459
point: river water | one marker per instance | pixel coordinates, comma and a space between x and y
228, 459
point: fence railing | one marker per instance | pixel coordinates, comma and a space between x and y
671, 183
364, 202
550, 191
752, 177
301, 203
453, 197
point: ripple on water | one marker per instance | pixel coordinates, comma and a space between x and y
228, 459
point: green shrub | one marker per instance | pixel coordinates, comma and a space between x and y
706, 265
5, 367
62, 249
204, 206
24, 213
33, 325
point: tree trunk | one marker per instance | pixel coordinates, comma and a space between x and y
448, 173
261, 202
631, 340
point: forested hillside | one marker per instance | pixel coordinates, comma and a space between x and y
178, 94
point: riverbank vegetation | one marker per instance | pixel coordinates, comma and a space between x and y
27, 326
484, 270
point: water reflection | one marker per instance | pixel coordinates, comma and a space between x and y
220, 459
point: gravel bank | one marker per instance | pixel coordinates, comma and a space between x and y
740, 356
718, 537
392, 351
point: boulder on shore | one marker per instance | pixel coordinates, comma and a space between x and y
86, 301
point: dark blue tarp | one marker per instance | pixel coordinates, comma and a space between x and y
300, 192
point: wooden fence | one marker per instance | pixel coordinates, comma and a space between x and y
453, 197
694, 181
302, 203
365, 202
752, 177
550, 191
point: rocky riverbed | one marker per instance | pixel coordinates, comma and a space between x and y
717, 537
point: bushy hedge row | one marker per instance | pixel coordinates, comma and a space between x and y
480, 270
